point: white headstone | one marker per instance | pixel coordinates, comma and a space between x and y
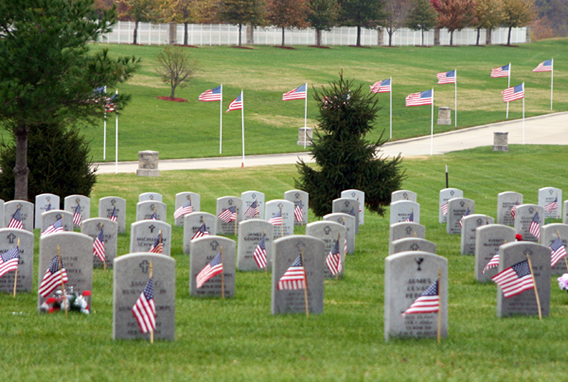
445, 195
45, 202
184, 198
360, 197
550, 198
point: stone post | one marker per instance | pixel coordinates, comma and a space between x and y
309, 133
444, 116
148, 163
500, 141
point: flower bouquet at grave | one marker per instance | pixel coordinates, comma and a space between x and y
72, 300
563, 282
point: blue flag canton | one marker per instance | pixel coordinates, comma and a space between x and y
556, 245
519, 88
262, 243
101, 236
301, 89
54, 265
297, 262
432, 290
426, 94
536, 218
11, 254
335, 249
386, 82
521, 269
217, 90
505, 68
451, 74
216, 260
149, 290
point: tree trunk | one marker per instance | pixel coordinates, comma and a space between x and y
185, 34
488, 36
509, 36
451, 38
240, 30
21, 169
390, 31
172, 94
282, 36
250, 34
135, 33
478, 33
318, 37
437, 36
358, 35
422, 37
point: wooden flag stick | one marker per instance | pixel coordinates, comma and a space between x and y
151, 275
222, 276
535, 288
62, 283
305, 284
16, 275
439, 306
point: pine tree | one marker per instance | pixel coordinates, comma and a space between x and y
344, 158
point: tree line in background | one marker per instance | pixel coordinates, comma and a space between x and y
549, 16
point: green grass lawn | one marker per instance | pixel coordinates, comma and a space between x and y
238, 339
181, 130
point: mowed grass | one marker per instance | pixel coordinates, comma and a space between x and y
238, 339
181, 130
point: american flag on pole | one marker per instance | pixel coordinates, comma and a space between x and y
515, 280
99, 246
447, 77
211, 95
294, 277
545, 66
493, 263
383, 86
113, 216
236, 104
298, 93
557, 251
420, 98
552, 205
260, 253
16, 221
110, 105
299, 212
209, 271
514, 93
444, 208
467, 212
55, 227
187, 208
144, 310
428, 302
9, 261
228, 214
201, 232
276, 219
333, 259
410, 218
158, 246
252, 211
77, 220
502, 71
534, 227
52, 278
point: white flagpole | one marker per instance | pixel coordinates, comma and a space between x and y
551, 83
221, 122
456, 99
391, 109
306, 117
523, 113
116, 141
432, 126
243, 126
508, 86
105, 128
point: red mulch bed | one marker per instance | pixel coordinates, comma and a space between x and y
172, 100
360, 46
241, 47
186, 46
320, 47
284, 47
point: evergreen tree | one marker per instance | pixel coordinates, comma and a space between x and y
422, 17
344, 158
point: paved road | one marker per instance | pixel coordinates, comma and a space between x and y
546, 129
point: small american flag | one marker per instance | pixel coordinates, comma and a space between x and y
252, 211
9, 261
55, 227
383, 86
420, 99
77, 215
113, 216
299, 93
345, 245
48, 208
514, 93
16, 221
294, 277
276, 219
333, 259
144, 310
514, 209
209, 271
447, 77
428, 302
352, 212
515, 280
154, 216
236, 104
545, 66
53, 277
444, 208
99, 246
158, 246
493, 263
228, 214
212, 95
534, 228
502, 71
299, 212
201, 232
552, 206
467, 212
557, 251
260, 253
183, 210
410, 218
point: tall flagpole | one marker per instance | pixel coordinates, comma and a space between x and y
116, 141
243, 126
432, 126
456, 99
508, 86
391, 109
306, 117
105, 128
551, 83
221, 122
523, 113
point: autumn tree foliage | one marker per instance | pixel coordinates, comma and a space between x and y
288, 14
242, 12
489, 14
141, 10
516, 14
323, 16
454, 14
361, 14
422, 17
395, 16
